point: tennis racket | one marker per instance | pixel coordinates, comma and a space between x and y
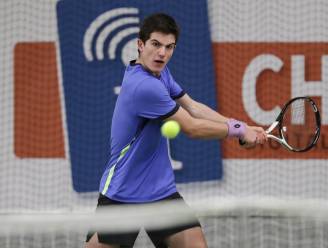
297, 127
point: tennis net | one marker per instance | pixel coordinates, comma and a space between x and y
226, 222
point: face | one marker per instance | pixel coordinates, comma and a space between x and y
156, 52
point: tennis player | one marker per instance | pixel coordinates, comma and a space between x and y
139, 170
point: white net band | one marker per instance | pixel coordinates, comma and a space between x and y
161, 215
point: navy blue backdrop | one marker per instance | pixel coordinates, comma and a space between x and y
89, 79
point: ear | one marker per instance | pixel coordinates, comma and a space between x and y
140, 45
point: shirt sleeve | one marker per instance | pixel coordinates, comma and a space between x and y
175, 89
153, 101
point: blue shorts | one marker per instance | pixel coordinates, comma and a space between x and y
157, 236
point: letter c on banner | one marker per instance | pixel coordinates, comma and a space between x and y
253, 70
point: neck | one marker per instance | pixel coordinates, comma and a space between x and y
139, 61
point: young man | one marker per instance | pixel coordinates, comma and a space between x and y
139, 170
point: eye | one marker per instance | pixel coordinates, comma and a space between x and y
170, 47
156, 44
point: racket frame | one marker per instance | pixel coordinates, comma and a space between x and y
278, 123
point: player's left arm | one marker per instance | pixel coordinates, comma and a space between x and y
201, 111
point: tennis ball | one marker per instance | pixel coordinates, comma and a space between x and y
170, 129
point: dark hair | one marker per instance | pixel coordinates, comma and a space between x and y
158, 22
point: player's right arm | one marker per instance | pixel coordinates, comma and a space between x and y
207, 129
199, 128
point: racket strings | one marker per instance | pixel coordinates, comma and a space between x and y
299, 124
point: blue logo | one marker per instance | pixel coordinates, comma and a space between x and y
97, 40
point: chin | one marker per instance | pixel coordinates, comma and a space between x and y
156, 70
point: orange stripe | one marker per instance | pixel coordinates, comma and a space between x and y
231, 60
38, 122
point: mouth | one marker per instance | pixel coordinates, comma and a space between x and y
159, 62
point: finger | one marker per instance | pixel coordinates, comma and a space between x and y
259, 139
262, 132
264, 138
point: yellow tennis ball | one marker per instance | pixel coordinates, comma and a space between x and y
170, 129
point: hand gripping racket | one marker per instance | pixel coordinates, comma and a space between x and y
297, 127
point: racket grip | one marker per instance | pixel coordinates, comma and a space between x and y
236, 128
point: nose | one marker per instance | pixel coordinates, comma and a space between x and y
161, 51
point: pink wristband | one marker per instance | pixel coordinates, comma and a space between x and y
236, 128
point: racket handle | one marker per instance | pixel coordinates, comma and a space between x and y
242, 142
